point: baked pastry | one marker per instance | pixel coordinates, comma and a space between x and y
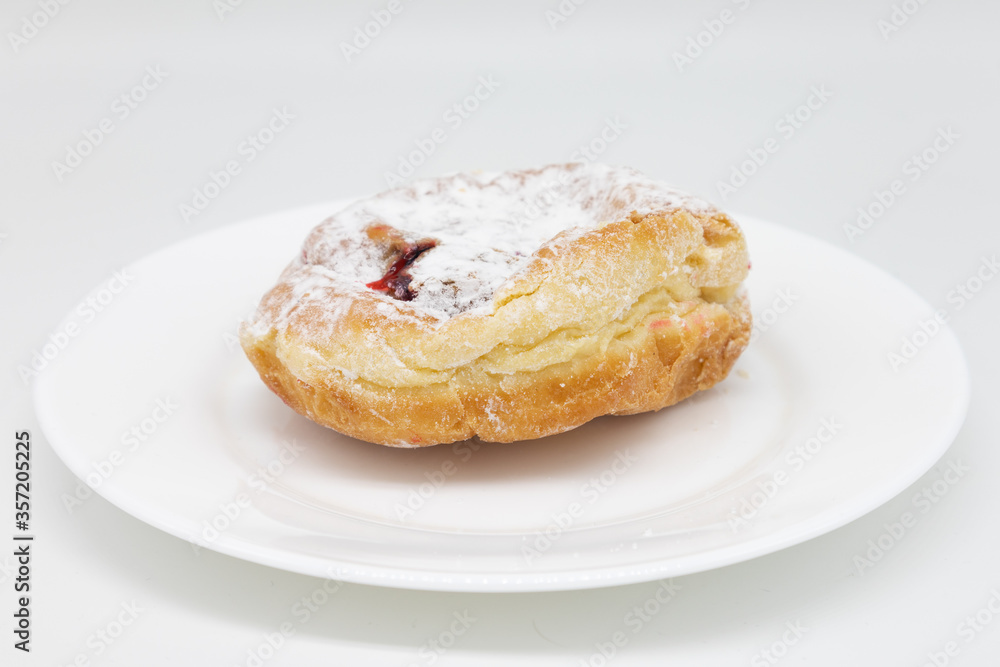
505, 306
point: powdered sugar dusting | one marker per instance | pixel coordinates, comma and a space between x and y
486, 227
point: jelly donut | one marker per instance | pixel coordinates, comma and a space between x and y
505, 306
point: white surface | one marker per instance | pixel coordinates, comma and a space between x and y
812, 430
558, 88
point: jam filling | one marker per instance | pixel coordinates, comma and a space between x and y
396, 281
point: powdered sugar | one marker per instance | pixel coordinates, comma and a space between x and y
486, 228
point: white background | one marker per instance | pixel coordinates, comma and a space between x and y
557, 89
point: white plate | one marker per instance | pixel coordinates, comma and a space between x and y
718, 479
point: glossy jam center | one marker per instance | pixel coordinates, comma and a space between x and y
396, 281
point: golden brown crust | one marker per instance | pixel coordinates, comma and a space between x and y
632, 316
655, 367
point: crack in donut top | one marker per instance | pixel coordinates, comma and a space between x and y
397, 279
484, 229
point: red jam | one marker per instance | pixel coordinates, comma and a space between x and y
396, 281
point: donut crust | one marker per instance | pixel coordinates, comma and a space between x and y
631, 316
